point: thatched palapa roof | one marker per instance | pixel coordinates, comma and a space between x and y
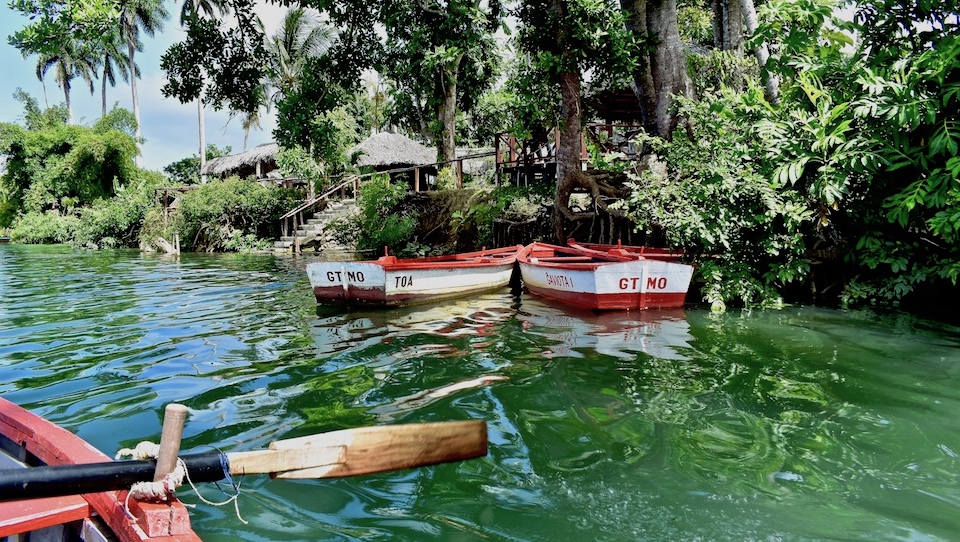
261, 154
385, 150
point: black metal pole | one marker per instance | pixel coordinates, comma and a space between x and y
37, 482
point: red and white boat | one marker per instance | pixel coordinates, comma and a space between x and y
604, 280
390, 281
29, 440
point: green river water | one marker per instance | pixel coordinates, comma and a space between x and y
794, 424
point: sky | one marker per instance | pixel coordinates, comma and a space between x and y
170, 129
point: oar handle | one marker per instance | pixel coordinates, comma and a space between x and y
175, 415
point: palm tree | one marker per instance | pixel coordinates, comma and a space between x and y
137, 16
114, 62
302, 35
212, 9
70, 62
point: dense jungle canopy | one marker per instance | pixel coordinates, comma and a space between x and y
798, 148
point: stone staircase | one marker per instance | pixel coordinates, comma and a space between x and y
314, 235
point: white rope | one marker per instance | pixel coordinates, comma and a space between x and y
162, 490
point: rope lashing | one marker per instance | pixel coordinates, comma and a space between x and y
162, 490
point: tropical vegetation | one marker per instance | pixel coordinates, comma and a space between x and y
795, 149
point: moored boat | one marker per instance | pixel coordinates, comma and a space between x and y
27, 440
603, 280
390, 281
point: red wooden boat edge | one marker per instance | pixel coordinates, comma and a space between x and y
53, 445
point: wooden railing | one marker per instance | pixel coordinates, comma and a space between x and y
520, 159
293, 219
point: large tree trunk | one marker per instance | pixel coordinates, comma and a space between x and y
568, 150
447, 113
636, 22
727, 25
666, 70
771, 81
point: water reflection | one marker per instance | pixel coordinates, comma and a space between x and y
475, 318
661, 334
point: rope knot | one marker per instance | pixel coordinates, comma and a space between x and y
162, 490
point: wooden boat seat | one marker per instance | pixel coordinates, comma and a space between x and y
563, 259
24, 516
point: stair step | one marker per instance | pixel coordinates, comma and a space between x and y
313, 231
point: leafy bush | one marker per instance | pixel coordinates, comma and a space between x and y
446, 179
54, 165
222, 215
297, 162
44, 228
716, 200
187, 170
697, 26
716, 69
381, 225
868, 132
117, 221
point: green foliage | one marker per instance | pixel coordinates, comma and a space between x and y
695, 23
296, 162
718, 69
717, 201
446, 179
47, 227
117, 222
184, 171
381, 225
228, 215
490, 117
431, 51
64, 166
336, 131
53, 21
225, 61
117, 119
36, 118
300, 120
187, 170
869, 135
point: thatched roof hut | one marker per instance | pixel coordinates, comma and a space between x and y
256, 162
387, 150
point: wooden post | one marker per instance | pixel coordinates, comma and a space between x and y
173, 419
460, 173
296, 230
416, 179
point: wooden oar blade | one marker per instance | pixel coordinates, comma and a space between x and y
271, 461
385, 448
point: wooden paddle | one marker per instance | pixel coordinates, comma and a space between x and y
349, 452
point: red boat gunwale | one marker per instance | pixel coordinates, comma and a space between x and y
53, 445
481, 258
